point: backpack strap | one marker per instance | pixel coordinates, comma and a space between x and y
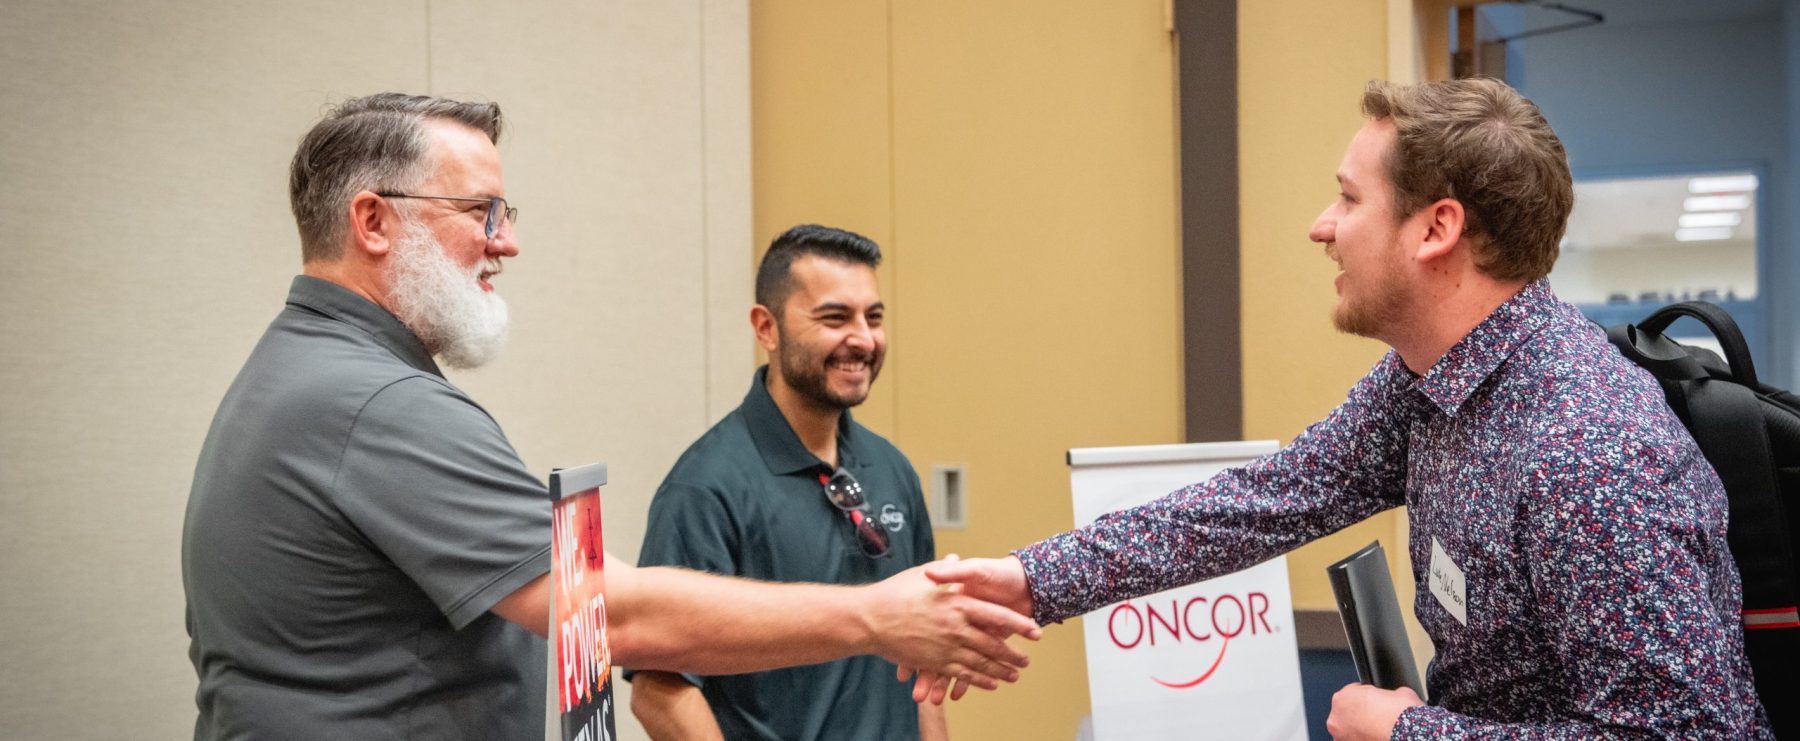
1727, 423
1723, 327
1666, 359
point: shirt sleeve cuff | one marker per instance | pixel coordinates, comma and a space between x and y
1426, 722
1046, 599
480, 601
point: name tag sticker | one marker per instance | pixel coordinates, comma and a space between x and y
1446, 581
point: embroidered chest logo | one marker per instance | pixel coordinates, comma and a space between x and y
1447, 584
892, 518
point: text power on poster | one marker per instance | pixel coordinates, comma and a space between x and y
583, 662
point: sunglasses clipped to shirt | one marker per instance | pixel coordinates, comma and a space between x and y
844, 493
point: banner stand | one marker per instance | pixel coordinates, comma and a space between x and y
1216, 659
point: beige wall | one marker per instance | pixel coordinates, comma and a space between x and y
1016, 160
1302, 66
144, 218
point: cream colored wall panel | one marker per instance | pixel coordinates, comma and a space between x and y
1016, 160
143, 171
730, 238
821, 143
608, 291
1038, 271
1301, 70
143, 168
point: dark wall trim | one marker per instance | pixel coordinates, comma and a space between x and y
1319, 630
1206, 68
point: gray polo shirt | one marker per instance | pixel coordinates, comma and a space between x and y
353, 518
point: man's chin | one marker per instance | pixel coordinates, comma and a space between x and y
471, 355
1348, 320
849, 397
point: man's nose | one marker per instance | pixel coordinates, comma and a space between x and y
505, 243
861, 334
1324, 229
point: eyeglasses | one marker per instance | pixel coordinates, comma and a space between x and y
844, 493
497, 208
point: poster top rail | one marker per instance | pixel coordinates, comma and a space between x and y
1135, 454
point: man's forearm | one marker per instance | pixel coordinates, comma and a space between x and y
672, 709
680, 620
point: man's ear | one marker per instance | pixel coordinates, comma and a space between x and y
762, 321
1443, 225
373, 224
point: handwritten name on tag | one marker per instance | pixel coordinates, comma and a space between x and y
1447, 585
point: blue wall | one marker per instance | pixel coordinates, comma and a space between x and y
1673, 97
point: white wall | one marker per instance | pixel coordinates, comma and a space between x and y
144, 222
1591, 276
1656, 91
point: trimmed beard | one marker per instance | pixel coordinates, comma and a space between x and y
804, 372
1379, 311
443, 303
1373, 317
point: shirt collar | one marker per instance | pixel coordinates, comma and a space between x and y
776, 440
1456, 375
340, 303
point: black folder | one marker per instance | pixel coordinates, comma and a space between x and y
1372, 620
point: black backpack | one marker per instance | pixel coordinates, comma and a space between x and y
1751, 434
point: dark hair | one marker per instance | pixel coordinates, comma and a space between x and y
775, 280
370, 143
1480, 142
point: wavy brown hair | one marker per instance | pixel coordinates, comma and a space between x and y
1480, 142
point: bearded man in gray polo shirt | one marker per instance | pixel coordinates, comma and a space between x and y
364, 554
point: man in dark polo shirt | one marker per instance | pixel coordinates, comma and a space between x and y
788, 487
364, 554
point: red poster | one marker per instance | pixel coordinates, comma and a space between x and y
583, 662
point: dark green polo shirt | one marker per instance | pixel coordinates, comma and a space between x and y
353, 518
745, 499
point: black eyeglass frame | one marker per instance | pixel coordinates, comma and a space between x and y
495, 204
844, 492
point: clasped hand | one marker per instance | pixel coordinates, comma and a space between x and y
998, 586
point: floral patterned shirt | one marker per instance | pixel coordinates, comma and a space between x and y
1599, 598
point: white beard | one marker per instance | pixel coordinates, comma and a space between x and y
443, 304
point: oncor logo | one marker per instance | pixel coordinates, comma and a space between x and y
1199, 619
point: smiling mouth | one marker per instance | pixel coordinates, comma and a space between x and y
486, 274
850, 366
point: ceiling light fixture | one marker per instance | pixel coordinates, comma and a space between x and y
1711, 218
1716, 203
1703, 234
1722, 184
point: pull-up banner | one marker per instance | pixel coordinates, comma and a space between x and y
1216, 659
583, 664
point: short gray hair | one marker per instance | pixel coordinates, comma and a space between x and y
371, 143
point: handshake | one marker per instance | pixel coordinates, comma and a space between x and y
946, 623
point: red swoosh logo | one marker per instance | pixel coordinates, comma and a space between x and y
1197, 680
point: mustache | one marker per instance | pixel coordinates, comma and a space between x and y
854, 355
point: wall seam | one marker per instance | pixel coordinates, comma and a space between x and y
706, 246
894, 382
430, 86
